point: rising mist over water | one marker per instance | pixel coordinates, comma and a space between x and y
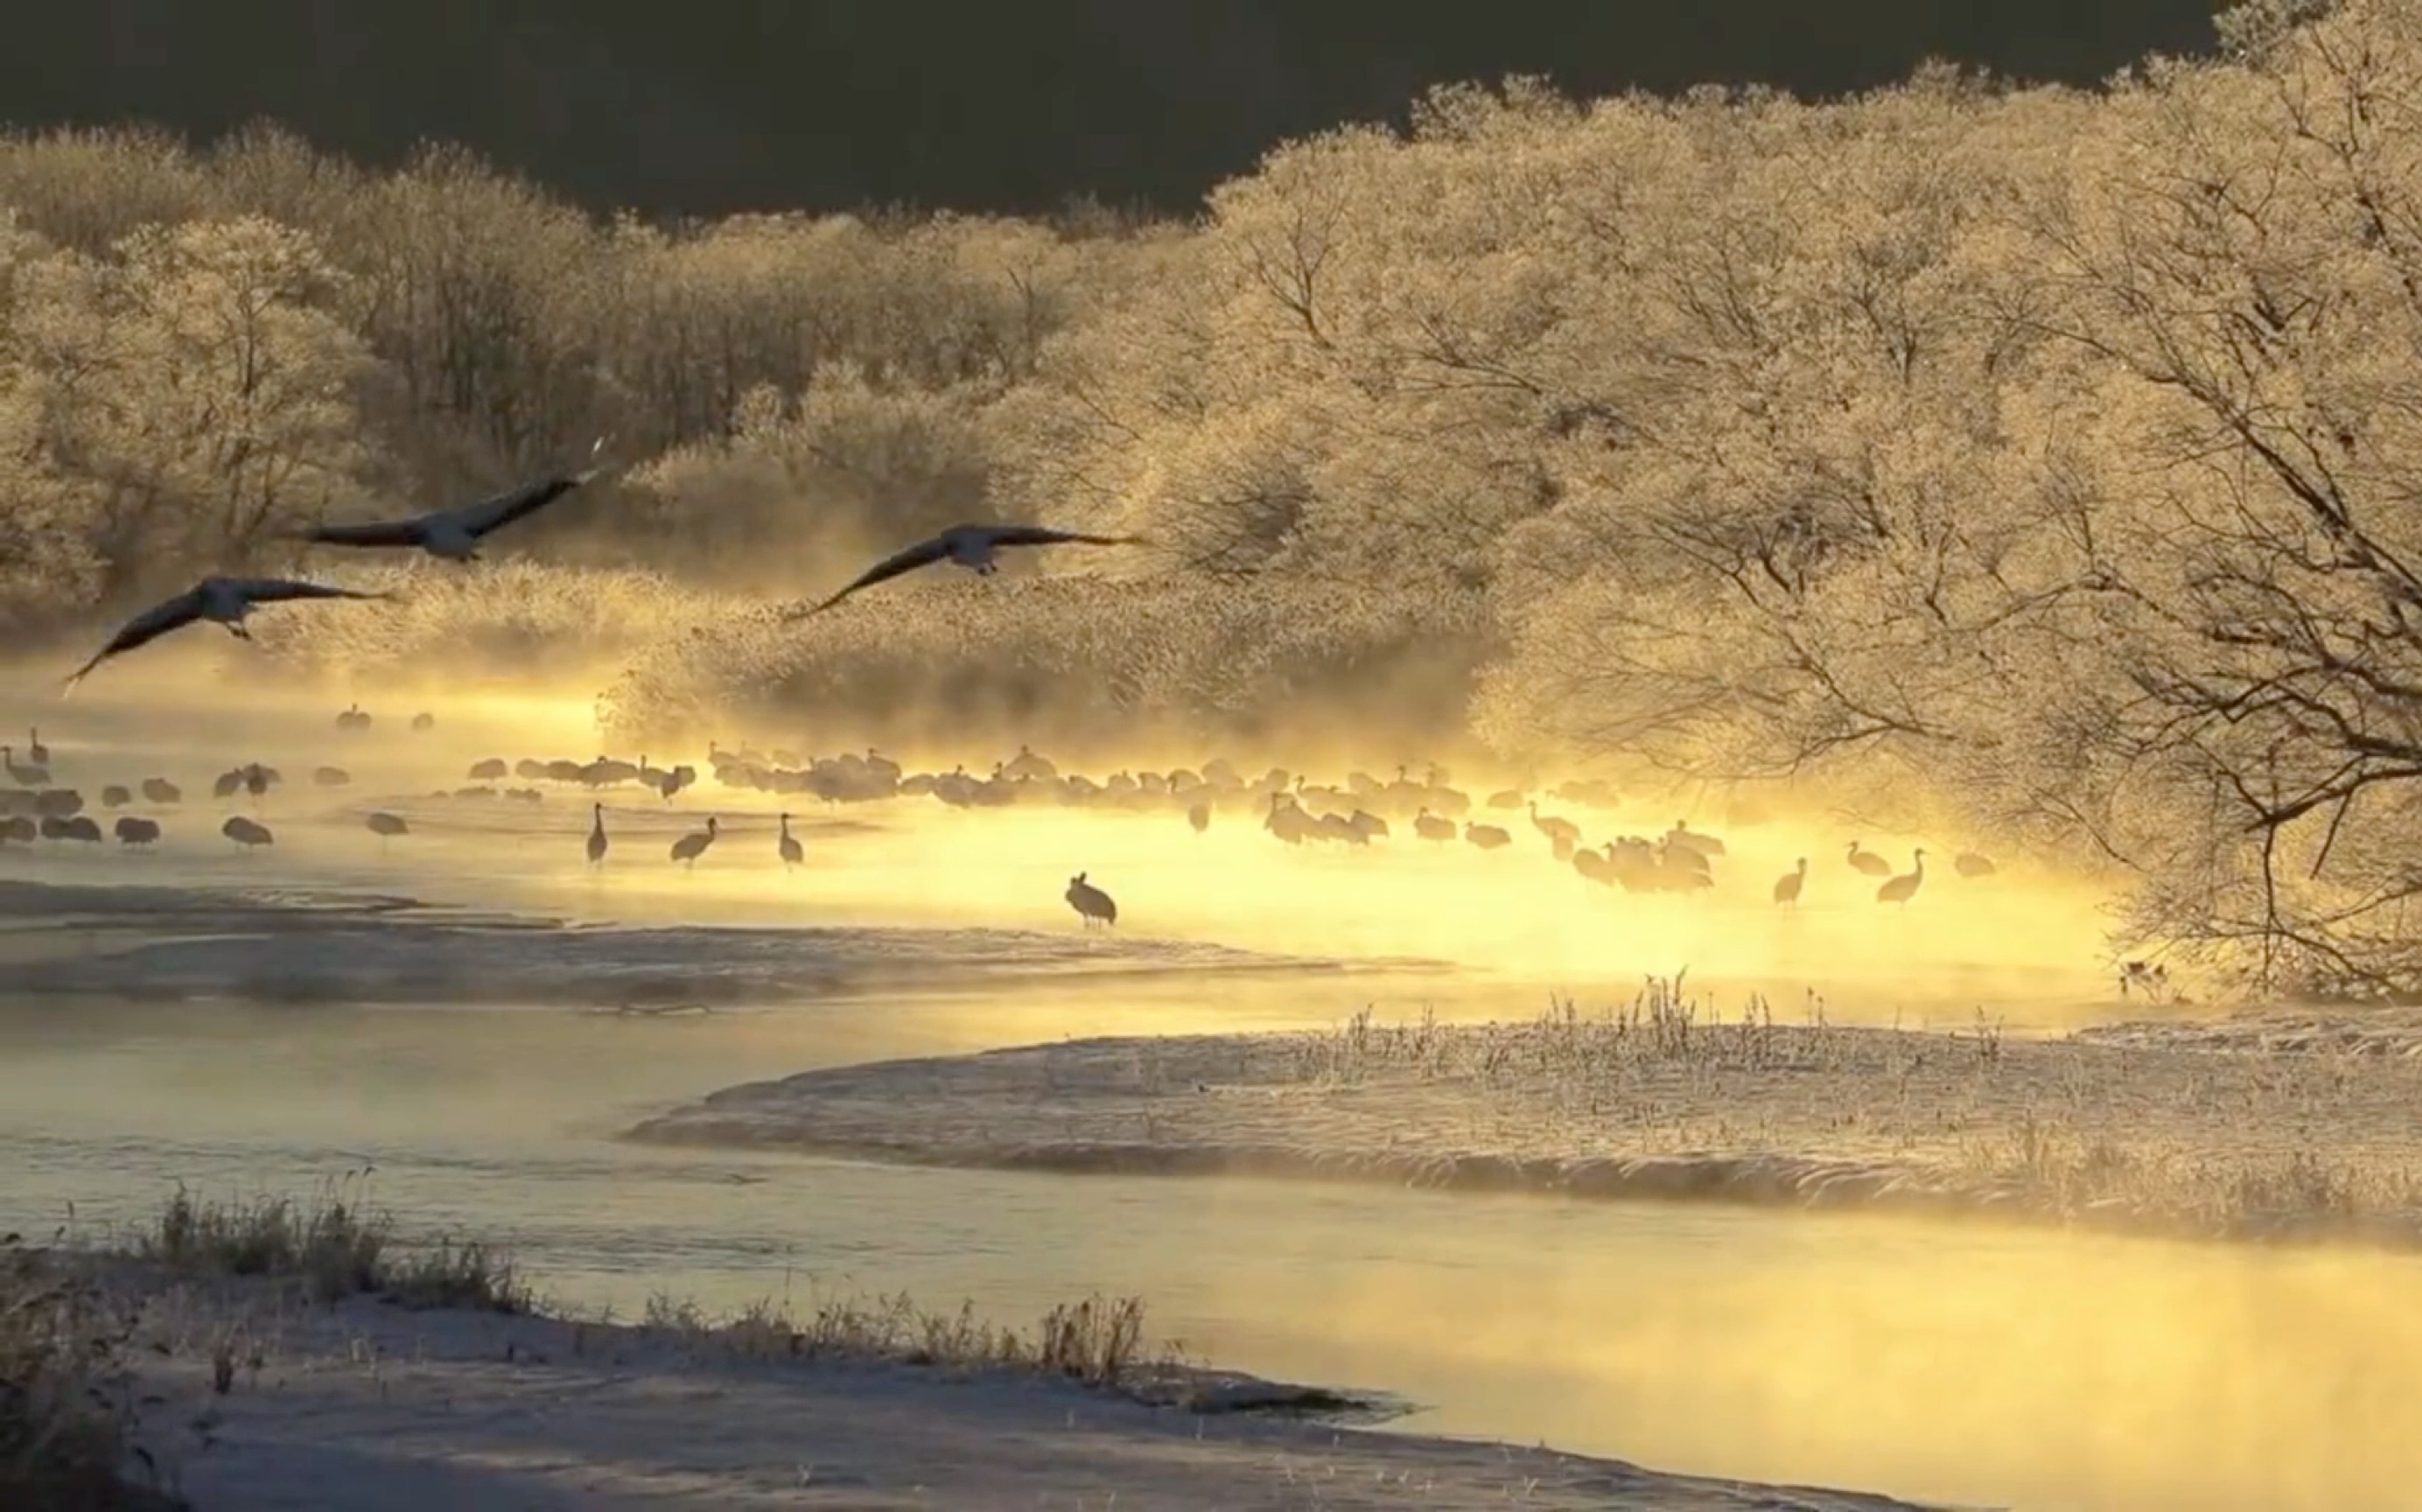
1796, 712
1690, 441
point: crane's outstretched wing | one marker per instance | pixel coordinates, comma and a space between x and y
491, 514
1037, 535
278, 590
923, 554
375, 533
477, 519
143, 629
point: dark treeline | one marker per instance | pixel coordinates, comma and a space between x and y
724, 106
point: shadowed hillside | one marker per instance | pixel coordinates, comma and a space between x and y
729, 106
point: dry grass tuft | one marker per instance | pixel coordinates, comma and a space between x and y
334, 1244
67, 1409
1099, 1342
71, 1321
338, 1246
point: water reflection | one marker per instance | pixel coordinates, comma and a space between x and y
1962, 1363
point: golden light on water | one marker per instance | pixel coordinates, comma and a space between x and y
1823, 1349
1519, 915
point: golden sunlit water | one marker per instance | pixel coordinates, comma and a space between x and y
484, 1075
2024, 940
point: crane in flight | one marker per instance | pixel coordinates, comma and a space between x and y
221, 600
455, 534
971, 546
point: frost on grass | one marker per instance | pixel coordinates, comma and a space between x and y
1660, 1099
245, 1355
2390, 1032
67, 1411
334, 1244
72, 1329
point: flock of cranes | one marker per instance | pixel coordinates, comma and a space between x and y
1292, 809
456, 535
1297, 811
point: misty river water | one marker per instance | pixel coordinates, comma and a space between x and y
251, 1023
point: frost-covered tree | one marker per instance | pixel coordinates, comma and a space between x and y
2243, 267
1799, 530
2036, 454
45, 558
192, 390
